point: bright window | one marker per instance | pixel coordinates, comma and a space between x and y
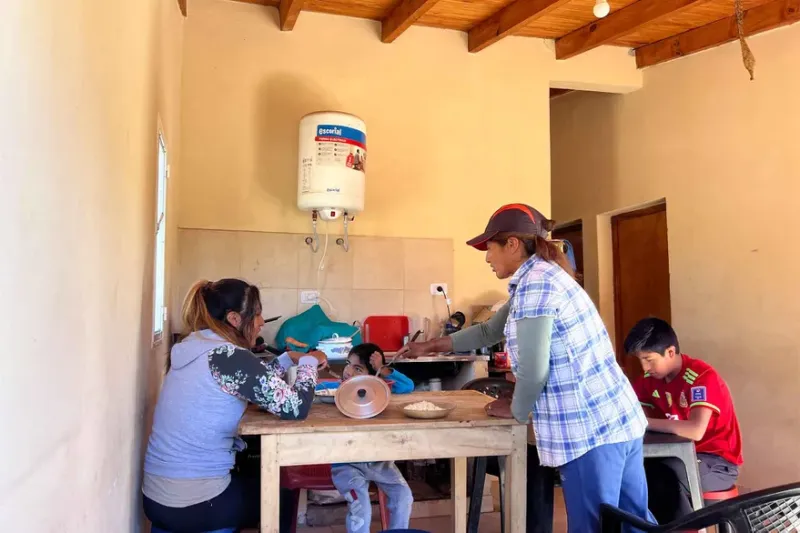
159, 308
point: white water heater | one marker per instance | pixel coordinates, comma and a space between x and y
332, 166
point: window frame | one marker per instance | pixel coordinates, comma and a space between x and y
160, 239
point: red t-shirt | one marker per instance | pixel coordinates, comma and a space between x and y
697, 385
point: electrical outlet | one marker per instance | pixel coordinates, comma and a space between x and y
309, 297
435, 288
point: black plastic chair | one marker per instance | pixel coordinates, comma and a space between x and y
494, 466
774, 510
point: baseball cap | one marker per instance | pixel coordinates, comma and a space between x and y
512, 218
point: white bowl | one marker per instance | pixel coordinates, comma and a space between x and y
336, 348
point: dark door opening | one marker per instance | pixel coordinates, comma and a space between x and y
641, 274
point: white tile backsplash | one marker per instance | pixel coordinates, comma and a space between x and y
378, 276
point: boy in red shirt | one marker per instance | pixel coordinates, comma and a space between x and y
688, 398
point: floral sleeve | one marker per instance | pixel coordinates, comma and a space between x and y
242, 374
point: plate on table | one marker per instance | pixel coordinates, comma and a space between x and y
427, 410
326, 392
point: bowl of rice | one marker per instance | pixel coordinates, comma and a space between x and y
427, 409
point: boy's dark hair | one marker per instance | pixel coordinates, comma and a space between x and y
651, 335
364, 352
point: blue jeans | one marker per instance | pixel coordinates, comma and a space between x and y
612, 474
352, 481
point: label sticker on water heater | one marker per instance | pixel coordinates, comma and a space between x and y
341, 146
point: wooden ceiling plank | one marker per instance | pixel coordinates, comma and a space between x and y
289, 11
507, 20
761, 18
406, 13
617, 24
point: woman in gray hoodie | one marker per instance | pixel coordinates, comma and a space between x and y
187, 485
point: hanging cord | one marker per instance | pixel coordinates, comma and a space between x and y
320, 267
747, 55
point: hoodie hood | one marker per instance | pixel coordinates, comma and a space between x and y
196, 344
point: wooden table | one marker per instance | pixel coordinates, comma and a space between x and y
327, 436
666, 445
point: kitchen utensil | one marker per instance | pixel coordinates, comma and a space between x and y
445, 409
336, 348
455, 323
386, 331
362, 397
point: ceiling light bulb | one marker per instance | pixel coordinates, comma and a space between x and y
601, 8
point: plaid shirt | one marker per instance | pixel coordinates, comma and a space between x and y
587, 401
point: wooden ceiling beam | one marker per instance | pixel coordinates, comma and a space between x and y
761, 18
289, 10
508, 20
404, 14
618, 24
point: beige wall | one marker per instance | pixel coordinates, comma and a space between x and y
723, 151
452, 135
81, 84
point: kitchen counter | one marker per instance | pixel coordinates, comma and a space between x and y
470, 367
441, 358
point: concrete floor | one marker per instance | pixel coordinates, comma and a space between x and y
490, 522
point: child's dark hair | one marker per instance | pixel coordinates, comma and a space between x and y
651, 335
364, 352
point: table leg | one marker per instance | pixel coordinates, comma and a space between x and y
516, 487
458, 489
476, 498
270, 485
689, 458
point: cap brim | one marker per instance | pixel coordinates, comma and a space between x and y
481, 241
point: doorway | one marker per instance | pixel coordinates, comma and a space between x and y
573, 232
641, 274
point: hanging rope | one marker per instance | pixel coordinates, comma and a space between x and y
747, 55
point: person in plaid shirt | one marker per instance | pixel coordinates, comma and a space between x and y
586, 416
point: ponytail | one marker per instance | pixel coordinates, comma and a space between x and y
544, 248
552, 253
207, 304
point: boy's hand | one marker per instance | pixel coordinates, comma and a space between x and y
499, 409
376, 360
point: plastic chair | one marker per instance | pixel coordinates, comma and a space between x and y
711, 498
318, 477
155, 529
774, 510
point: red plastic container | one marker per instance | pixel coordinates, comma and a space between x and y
386, 331
501, 360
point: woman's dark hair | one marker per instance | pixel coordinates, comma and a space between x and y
364, 352
651, 335
536, 245
208, 303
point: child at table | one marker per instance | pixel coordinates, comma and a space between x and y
352, 479
685, 397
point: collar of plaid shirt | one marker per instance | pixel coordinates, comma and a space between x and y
526, 267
